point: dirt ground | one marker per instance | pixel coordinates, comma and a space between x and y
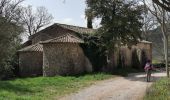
132, 87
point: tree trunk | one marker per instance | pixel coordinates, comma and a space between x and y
89, 22
165, 36
166, 55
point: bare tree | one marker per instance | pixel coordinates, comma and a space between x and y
11, 10
165, 4
35, 20
163, 19
150, 25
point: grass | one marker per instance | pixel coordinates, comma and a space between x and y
154, 61
46, 88
160, 90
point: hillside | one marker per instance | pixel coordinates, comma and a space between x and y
155, 36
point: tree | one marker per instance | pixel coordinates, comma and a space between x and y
149, 23
120, 20
9, 42
11, 10
163, 19
10, 30
165, 4
35, 20
150, 32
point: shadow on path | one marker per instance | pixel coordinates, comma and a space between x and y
142, 76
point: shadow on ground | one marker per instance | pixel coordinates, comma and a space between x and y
7, 86
142, 76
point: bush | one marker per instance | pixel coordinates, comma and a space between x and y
9, 62
159, 65
8, 67
6, 72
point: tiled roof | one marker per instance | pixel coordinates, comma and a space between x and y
35, 47
77, 28
67, 38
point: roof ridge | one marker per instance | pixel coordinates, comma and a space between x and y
74, 26
76, 29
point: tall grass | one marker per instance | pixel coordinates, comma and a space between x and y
160, 90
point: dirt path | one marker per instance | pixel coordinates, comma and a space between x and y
132, 87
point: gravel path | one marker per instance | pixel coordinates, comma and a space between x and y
132, 87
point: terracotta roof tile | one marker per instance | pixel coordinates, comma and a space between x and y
35, 47
67, 38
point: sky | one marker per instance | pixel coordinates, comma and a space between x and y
69, 12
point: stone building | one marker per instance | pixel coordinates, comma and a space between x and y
64, 56
134, 57
31, 60
42, 56
55, 50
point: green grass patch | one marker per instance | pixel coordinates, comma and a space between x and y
46, 88
154, 61
160, 90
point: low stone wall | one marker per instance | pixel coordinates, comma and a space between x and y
64, 59
30, 63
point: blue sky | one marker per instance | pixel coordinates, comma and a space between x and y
68, 12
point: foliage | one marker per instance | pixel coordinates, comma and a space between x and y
9, 42
143, 59
46, 88
120, 24
13, 18
136, 60
120, 62
160, 90
120, 20
94, 51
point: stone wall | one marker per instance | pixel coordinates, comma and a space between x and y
135, 57
64, 59
30, 63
